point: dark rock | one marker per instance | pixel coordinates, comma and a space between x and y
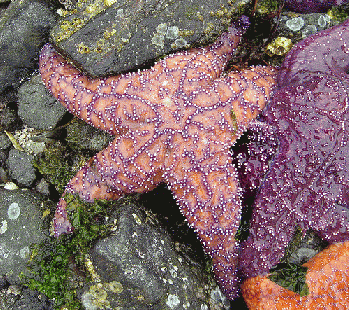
23, 28
3, 282
8, 118
32, 300
20, 298
138, 268
36, 106
4, 178
21, 167
20, 226
5, 142
304, 25
43, 187
117, 37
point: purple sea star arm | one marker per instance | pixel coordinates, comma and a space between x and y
307, 185
325, 52
312, 6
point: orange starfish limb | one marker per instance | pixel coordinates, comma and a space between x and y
327, 279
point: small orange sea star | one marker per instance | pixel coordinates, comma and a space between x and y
173, 123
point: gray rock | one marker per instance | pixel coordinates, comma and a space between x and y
43, 187
20, 226
23, 28
37, 107
109, 37
8, 117
309, 246
304, 25
4, 178
19, 298
4, 141
21, 167
138, 268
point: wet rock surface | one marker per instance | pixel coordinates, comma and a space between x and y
138, 267
20, 226
36, 107
109, 39
24, 27
21, 167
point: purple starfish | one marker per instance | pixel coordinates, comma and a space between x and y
307, 184
312, 6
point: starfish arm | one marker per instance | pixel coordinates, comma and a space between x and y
307, 182
281, 206
247, 92
183, 73
208, 63
131, 163
103, 103
272, 225
209, 197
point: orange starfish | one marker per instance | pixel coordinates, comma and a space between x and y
173, 123
327, 279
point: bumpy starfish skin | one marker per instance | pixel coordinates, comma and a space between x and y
312, 6
174, 123
307, 184
252, 159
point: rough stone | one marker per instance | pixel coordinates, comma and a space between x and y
85, 136
20, 226
137, 268
21, 167
36, 106
23, 28
117, 36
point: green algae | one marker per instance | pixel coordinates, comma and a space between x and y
59, 268
291, 277
55, 165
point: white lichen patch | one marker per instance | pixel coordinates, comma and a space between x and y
13, 211
295, 24
137, 219
24, 252
96, 297
324, 20
3, 227
172, 32
4, 252
115, 287
172, 301
10, 186
173, 271
309, 30
158, 40
180, 43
